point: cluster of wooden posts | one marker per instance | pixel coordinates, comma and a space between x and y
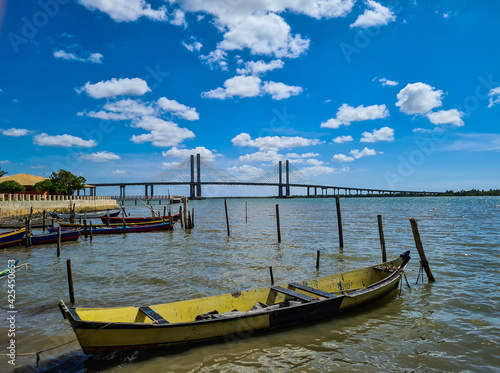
416, 235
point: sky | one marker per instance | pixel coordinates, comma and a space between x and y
401, 95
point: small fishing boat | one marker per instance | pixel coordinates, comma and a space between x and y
138, 219
51, 237
197, 320
12, 238
126, 229
87, 215
66, 225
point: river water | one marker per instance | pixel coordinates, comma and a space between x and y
447, 326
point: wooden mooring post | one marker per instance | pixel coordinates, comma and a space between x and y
278, 222
59, 240
227, 218
317, 259
382, 239
339, 220
181, 219
44, 218
418, 243
70, 282
271, 273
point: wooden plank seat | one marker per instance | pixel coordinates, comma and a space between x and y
293, 294
311, 290
153, 315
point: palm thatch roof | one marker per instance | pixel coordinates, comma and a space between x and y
23, 179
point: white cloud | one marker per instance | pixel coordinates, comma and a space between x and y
342, 158
186, 153
178, 109
280, 91
385, 82
126, 10
170, 165
272, 143
15, 132
452, 116
376, 15
262, 156
266, 34
121, 110
64, 141
363, 153
418, 98
5, 162
314, 162
260, 67
102, 156
252, 86
494, 100
342, 139
162, 133
246, 172
216, 58
116, 87
303, 155
70, 56
331, 123
347, 114
383, 134
119, 172
192, 45
318, 170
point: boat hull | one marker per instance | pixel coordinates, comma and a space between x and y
128, 229
51, 237
97, 335
9, 239
90, 215
132, 219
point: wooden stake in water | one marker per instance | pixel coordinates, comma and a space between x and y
181, 219
70, 282
85, 228
246, 212
192, 217
339, 220
278, 222
317, 259
420, 249
382, 239
44, 216
227, 218
59, 241
91, 233
271, 273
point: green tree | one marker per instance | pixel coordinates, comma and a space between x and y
66, 182
3, 173
47, 186
11, 186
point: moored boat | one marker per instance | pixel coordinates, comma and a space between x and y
126, 229
65, 225
202, 319
13, 238
138, 219
86, 215
51, 237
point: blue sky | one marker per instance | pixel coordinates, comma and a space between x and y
375, 94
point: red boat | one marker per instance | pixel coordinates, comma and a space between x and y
131, 219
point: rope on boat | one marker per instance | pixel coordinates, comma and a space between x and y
38, 353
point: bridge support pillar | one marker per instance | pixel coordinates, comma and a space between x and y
151, 190
315, 192
308, 191
287, 189
280, 180
192, 185
198, 175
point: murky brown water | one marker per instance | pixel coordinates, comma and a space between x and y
450, 325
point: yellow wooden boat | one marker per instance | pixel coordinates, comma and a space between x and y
202, 319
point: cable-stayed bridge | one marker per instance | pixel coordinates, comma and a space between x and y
197, 171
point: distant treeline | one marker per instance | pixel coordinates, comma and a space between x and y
473, 192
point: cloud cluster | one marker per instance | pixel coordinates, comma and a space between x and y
146, 116
102, 156
186, 153
15, 132
252, 86
355, 154
420, 99
63, 141
273, 143
347, 114
71, 56
375, 15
